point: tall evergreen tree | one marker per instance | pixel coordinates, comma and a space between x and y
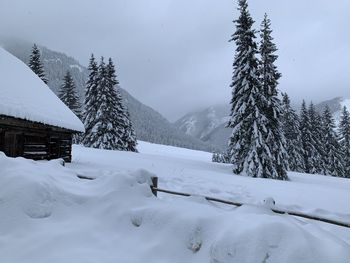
317, 132
110, 127
36, 65
127, 139
309, 151
105, 134
291, 129
91, 104
68, 94
344, 136
248, 149
269, 76
333, 157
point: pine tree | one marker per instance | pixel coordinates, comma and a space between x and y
291, 130
248, 149
36, 65
333, 157
307, 139
111, 127
317, 133
219, 157
105, 134
91, 104
344, 140
269, 76
129, 137
127, 140
68, 95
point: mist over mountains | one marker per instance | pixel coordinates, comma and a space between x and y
149, 124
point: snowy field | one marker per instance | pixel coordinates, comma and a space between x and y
49, 215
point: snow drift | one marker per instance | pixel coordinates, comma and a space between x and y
49, 215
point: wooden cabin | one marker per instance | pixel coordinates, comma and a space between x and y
34, 140
34, 123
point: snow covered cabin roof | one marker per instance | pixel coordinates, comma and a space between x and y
25, 96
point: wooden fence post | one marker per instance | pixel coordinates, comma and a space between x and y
154, 185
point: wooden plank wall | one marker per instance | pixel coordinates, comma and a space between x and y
34, 141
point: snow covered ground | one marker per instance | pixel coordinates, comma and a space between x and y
49, 215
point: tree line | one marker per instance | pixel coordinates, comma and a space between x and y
313, 142
105, 117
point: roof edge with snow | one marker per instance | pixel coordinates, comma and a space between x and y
24, 95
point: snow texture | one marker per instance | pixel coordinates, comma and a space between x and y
49, 215
24, 95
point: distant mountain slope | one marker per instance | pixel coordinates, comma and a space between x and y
200, 124
335, 105
219, 137
207, 125
149, 125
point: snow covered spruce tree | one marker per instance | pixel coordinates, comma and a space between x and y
129, 137
269, 77
333, 157
248, 145
127, 141
68, 94
291, 130
316, 128
106, 136
106, 120
344, 136
307, 140
91, 104
36, 65
310, 129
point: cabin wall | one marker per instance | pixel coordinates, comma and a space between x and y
39, 142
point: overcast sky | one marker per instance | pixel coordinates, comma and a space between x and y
174, 55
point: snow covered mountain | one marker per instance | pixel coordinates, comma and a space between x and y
207, 125
335, 105
202, 123
149, 125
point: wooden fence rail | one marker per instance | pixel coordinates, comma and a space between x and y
155, 189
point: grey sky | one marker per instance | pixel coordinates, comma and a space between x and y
174, 55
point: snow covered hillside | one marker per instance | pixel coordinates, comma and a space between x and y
200, 124
207, 125
49, 215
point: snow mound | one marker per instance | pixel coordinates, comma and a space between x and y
55, 217
24, 95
